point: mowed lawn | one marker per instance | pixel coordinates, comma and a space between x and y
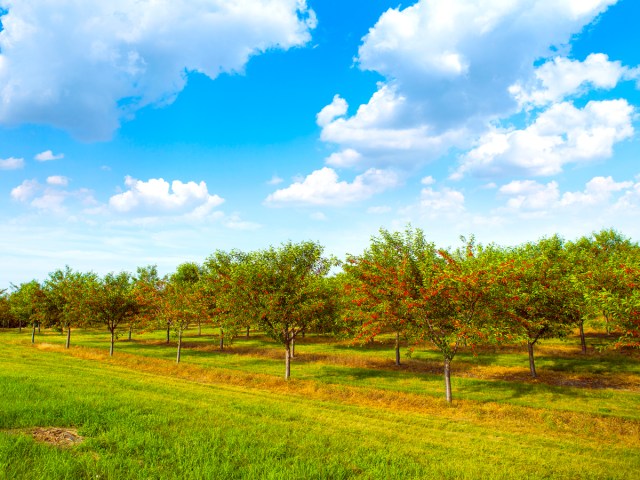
348, 412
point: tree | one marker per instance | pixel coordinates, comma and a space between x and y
6, 317
113, 302
183, 301
538, 293
460, 298
26, 304
284, 289
382, 282
65, 294
147, 289
188, 274
622, 302
227, 303
599, 263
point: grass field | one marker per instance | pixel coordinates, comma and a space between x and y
348, 412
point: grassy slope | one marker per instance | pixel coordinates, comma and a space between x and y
346, 414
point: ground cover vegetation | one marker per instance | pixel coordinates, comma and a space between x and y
471, 315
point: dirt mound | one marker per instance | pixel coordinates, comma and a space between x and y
61, 437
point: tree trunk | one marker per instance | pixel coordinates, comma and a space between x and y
293, 347
168, 332
38, 327
221, 339
287, 360
113, 336
532, 363
397, 348
248, 327
179, 345
19, 326
606, 322
304, 331
33, 333
130, 329
583, 341
447, 379
68, 342
199, 328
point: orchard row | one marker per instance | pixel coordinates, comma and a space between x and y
401, 284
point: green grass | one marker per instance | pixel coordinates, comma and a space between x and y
346, 414
321, 360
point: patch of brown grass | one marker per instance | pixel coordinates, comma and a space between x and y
60, 437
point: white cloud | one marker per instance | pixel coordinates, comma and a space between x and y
598, 190
429, 180
11, 163
458, 57
322, 187
275, 180
448, 66
530, 195
561, 77
445, 200
386, 131
158, 196
47, 155
234, 222
84, 66
58, 180
563, 134
442, 209
344, 158
26, 190
50, 198
318, 216
337, 108
598, 196
50, 201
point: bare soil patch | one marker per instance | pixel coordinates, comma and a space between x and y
60, 437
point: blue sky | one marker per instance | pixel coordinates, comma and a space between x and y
140, 132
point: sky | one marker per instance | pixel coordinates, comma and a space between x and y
140, 132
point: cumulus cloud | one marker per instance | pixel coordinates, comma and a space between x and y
561, 77
600, 194
428, 180
275, 180
11, 163
597, 191
58, 180
84, 66
386, 131
337, 108
530, 195
448, 66
322, 187
458, 57
445, 200
439, 203
49, 197
562, 134
47, 155
158, 196
344, 158
25, 191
